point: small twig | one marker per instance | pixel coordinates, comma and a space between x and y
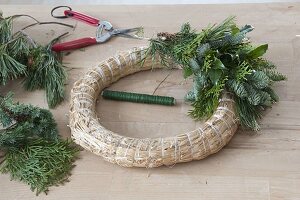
10, 126
23, 15
44, 23
39, 23
71, 68
161, 82
56, 39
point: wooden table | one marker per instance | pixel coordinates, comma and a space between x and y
260, 166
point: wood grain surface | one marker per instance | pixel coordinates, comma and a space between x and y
258, 166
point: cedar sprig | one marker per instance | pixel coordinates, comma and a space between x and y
34, 152
40, 163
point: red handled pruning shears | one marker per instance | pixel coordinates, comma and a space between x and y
101, 36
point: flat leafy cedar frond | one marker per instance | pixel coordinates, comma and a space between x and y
221, 55
40, 163
34, 152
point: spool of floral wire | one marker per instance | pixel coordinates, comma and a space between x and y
138, 98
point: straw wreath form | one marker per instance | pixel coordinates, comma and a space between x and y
87, 131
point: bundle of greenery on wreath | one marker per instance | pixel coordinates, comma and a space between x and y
221, 58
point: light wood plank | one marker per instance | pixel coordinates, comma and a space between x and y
261, 166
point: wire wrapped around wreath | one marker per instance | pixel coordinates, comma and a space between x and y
88, 132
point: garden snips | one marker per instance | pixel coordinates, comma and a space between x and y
104, 31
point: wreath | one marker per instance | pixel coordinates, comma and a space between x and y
232, 84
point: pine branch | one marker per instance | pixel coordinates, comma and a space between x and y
10, 68
6, 30
20, 56
19, 48
46, 72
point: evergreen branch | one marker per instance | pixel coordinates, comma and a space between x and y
206, 102
248, 114
6, 30
237, 88
21, 56
272, 94
258, 79
32, 122
46, 72
34, 152
10, 68
274, 75
40, 164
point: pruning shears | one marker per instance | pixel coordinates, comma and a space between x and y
104, 31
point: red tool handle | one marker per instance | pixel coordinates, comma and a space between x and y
75, 44
82, 17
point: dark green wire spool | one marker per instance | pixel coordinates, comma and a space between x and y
138, 98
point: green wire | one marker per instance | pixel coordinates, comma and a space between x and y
138, 98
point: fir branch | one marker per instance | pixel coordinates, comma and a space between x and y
248, 114
272, 94
275, 76
258, 79
237, 88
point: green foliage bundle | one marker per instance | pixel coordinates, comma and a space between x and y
34, 152
220, 58
20, 56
